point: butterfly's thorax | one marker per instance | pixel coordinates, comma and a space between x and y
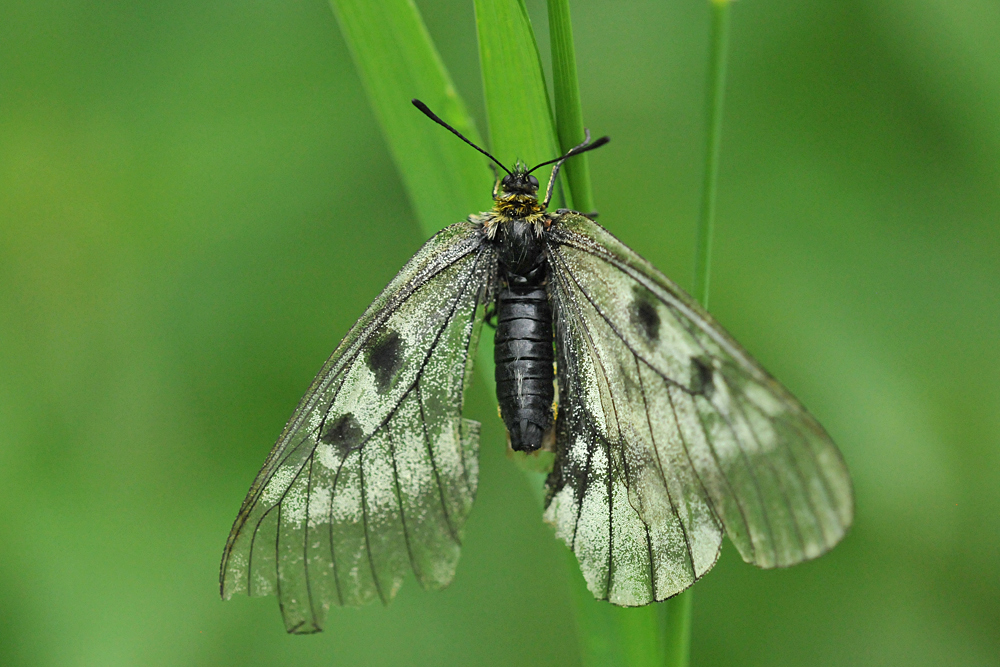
518, 206
523, 349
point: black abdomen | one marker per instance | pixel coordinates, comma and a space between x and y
524, 371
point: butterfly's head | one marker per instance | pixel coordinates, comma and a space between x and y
519, 182
516, 195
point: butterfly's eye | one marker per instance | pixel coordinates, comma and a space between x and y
533, 181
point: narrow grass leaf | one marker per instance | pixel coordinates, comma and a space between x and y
569, 112
517, 104
609, 635
713, 144
397, 61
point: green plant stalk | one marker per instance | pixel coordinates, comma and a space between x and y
678, 621
569, 112
396, 61
609, 635
517, 102
716, 94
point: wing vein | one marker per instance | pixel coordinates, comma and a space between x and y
591, 441
567, 271
611, 521
669, 296
253, 538
333, 550
364, 525
334, 372
701, 482
277, 550
437, 475
402, 513
417, 377
652, 568
778, 477
583, 492
305, 542
751, 471
598, 361
821, 474
468, 347
659, 467
754, 450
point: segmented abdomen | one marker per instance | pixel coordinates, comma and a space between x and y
524, 371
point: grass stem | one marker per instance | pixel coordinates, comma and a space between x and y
678, 610
678, 629
569, 111
609, 635
716, 93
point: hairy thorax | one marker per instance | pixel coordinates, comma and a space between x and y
511, 208
517, 206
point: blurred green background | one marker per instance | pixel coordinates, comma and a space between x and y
196, 203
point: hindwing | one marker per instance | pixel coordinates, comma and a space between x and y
668, 432
376, 471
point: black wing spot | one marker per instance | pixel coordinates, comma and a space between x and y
642, 312
702, 381
344, 434
385, 358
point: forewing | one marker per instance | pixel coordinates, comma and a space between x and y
376, 471
667, 427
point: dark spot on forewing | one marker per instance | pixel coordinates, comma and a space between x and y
642, 312
385, 358
343, 433
702, 377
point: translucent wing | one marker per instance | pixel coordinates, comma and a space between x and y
667, 427
376, 470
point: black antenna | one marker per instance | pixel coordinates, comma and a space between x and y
433, 116
576, 150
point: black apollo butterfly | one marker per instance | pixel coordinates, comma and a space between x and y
666, 432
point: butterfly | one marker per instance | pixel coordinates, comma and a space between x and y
666, 433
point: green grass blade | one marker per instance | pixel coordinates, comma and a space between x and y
396, 60
614, 636
569, 113
609, 635
713, 143
678, 629
678, 621
517, 104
